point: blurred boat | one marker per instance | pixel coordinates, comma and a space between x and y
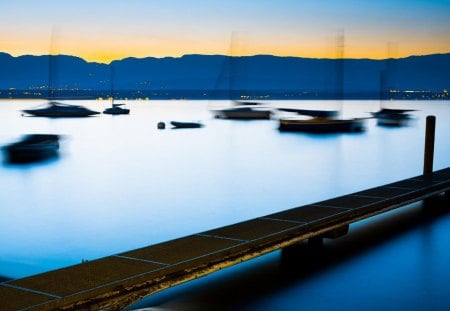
246, 103
393, 117
57, 110
322, 125
178, 124
32, 148
312, 112
242, 112
116, 109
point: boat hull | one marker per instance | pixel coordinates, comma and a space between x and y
33, 148
52, 114
177, 124
116, 111
392, 119
322, 125
245, 114
59, 110
312, 113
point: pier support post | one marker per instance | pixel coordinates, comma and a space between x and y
336, 233
429, 145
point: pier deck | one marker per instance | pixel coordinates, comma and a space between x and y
118, 280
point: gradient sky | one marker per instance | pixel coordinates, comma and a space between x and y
104, 30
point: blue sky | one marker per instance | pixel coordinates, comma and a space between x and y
105, 30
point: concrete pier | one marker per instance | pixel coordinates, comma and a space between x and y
116, 281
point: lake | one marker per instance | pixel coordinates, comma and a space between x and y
120, 183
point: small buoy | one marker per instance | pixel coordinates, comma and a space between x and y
161, 125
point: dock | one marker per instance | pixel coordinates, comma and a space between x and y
113, 282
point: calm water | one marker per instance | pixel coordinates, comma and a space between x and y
120, 183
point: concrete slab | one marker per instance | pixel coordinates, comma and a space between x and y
442, 175
85, 276
252, 229
350, 201
15, 299
384, 192
307, 213
413, 184
180, 250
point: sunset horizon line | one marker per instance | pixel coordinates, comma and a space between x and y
87, 60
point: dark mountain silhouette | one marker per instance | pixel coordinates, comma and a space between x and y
218, 76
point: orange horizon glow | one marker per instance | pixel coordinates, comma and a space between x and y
100, 56
103, 31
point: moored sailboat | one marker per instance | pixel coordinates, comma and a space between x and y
56, 109
115, 109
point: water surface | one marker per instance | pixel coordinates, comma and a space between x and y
120, 183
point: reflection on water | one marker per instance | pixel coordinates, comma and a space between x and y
120, 183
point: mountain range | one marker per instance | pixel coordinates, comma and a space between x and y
218, 76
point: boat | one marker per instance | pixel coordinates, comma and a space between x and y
312, 112
241, 108
324, 121
178, 124
322, 125
116, 109
32, 148
246, 103
56, 109
242, 112
393, 117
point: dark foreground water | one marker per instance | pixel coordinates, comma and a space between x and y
120, 183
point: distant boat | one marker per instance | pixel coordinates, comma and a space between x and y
56, 109
59, 110
322, 125
116, 109
325, 121
178, 124
239, 109
312, 112
393, 117
242, 112
33, 148
246, 103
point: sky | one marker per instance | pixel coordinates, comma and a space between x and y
106, 30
